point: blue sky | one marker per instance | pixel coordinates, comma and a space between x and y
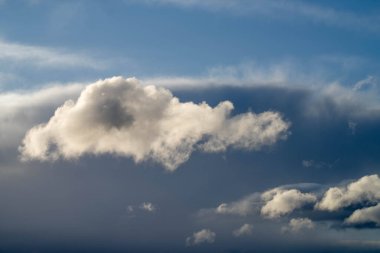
189, 126
149, 38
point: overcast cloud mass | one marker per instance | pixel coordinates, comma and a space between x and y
189, 126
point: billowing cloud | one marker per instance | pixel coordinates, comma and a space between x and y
279, 201
363, 191
21, 110
119, 116
244, 230
298, 224
364, 216
202, 236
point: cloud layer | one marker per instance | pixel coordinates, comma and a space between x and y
43, 56
119, 116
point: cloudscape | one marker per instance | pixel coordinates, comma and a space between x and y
189, 126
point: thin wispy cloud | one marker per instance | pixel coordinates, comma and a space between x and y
283, 10
46, 57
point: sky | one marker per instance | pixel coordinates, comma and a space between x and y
189, 126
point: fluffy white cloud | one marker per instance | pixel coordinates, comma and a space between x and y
147, 206
298, 224
365, 215
243, 207
119, 116
364, 190
21, 110
244, 230
279, 201
202, 236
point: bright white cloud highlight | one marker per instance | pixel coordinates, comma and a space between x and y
120, 116
244, 230
362, 191
202, 236
365, 215
279, 202
21, 110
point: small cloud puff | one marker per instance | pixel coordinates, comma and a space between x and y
242, 207
202, 236
120, 116
279, 201
298, 224
244, 230
147, 206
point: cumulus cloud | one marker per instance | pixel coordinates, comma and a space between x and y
120, 116
364, 216
298, 224
363, 191
253, 203
244, 230
21, 110
280, 202
147, 206
202, 236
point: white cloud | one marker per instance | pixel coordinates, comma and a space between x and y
362, 191
352, 126
119, 116
299, 224
20, 110
202, 236
365, 215
130, 208
369, 81
243, 207
279, 201
44, 56
243, 75
307, 163
147, 206
244, 230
